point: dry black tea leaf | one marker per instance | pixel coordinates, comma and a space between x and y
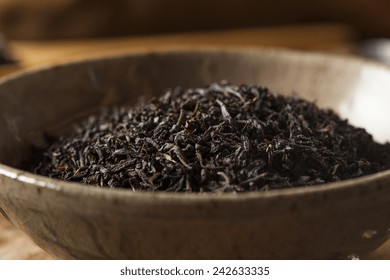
219, 138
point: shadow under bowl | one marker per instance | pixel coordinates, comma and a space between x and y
73, 221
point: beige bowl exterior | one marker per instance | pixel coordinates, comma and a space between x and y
71, 221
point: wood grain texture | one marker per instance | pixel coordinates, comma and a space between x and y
16, 245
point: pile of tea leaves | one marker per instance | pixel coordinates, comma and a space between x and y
219, 138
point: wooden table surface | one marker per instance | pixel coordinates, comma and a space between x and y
14, 244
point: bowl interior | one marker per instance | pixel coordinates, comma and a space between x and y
44, 102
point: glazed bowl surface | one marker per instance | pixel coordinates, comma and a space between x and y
74, 221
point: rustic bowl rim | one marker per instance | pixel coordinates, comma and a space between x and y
74, 188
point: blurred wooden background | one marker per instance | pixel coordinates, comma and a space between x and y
55, 19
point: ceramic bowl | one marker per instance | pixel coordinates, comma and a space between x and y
73, 221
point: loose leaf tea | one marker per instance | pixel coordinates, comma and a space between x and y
219, 138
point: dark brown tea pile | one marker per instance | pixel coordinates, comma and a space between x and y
220, 138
